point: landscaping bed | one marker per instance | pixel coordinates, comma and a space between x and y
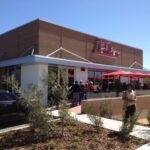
80, 136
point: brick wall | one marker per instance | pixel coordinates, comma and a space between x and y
19, 42
143, 103
51, 37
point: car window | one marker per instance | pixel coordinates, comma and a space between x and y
7, 96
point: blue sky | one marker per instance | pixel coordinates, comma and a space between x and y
124, 21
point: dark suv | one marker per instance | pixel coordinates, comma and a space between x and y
9, 102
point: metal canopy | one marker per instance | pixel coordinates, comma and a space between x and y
31, 59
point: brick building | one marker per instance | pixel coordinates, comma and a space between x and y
36, 47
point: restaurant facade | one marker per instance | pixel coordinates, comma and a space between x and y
33, 50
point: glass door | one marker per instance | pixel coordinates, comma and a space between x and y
71, 75
62, 75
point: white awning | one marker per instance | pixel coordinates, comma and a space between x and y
59, 61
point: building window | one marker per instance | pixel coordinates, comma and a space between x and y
70, 76
53, 69
11, 71
95, 75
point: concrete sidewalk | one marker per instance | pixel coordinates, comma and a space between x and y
144, 147
15, 128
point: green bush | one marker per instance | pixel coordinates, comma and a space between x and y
128, 126
96, 120
66, 118
74, 146
92, 145
111, 143
40, 121
33, 147
52, 145
105, 110
57, 92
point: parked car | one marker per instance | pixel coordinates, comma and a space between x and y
9, 102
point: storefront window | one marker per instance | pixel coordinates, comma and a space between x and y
94, 75
63, 75
53, 69
91, 76
60, 72
70, 76
103, 83
12, 71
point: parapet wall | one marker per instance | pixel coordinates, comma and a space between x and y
143, 104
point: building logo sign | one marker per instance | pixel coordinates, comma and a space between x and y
105, 48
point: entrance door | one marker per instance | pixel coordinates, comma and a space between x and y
71, 75
62, 75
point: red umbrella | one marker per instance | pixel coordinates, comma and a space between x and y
147, 75
139, 75
104, 78
119, 73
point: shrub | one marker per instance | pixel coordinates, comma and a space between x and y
96, 120
56, 91
66, 118
31, 99
128, 126
52, 145
38, 117
92, 145
59, 94
76, 139
33, 147
105, 110
74, 146
111, 143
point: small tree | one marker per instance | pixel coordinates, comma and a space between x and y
96, 120
58, 95
51, 82
62, 95
128, 126
66, 118
105, 110
30, 100
56, 90
39, 119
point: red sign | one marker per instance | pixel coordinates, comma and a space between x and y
105, 48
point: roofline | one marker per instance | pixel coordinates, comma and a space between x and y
19, 27
31, 59
68, 28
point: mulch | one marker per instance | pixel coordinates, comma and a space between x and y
80, 136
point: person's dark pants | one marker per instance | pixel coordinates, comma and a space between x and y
76, 98
81, 97
130, 111
85, 95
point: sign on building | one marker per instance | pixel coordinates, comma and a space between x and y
105, 48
